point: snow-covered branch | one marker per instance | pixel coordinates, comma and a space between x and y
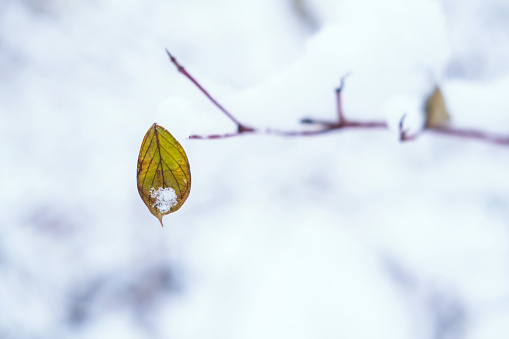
341, 122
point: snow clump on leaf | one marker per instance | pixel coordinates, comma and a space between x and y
165, 198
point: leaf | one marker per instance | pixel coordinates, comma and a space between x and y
436, 112
163, 176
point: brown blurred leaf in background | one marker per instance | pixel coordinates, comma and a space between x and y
436, 112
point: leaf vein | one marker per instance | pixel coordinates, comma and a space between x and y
146, 172
146, 152
183, 171
171, 144
173, 174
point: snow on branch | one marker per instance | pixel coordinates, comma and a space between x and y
341, 122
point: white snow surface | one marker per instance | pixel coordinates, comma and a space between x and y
348, 235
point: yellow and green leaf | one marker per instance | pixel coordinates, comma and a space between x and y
163, 175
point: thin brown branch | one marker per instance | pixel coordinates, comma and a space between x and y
341, 123
240, 127
471, 134
332, 127
220, 136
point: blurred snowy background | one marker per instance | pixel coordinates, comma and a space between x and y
348, 235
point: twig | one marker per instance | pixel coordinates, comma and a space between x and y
241, 128
341, 123
339, 105
470, 134
403, 132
